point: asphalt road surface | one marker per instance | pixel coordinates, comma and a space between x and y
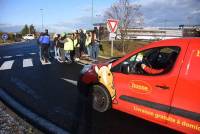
50, 91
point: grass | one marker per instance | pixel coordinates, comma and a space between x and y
130, 45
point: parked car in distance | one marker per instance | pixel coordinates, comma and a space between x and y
29, 37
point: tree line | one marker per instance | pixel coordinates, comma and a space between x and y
28, 29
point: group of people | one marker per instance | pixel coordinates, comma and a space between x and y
69, 47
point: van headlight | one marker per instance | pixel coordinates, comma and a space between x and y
86, 68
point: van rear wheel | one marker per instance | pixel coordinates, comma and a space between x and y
101, 100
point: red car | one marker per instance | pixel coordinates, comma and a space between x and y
159, 82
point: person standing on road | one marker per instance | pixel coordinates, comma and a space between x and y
39, 45
74, 41
95, 47
56, 47
77, 45
88, 43
45, 41
82, 43
69, 49
61, 42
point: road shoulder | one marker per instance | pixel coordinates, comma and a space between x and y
12, 123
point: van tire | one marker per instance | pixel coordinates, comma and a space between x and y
100, 98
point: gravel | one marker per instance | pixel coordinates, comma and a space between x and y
10, 123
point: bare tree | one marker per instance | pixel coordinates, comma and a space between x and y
128, 14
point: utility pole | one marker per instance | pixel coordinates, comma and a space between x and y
92, 12
41, 10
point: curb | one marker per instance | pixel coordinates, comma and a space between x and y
90, 62
104, 57
32, 117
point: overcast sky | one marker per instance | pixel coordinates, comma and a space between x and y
68, 15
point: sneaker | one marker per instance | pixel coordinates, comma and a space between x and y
77, 59
59, 60
68, 61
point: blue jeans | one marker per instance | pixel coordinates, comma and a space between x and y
40, 51
57, 53
67, 56
89, 50
95, 51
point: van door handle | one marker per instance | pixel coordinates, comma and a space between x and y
163, 87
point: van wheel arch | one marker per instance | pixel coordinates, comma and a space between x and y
100, 98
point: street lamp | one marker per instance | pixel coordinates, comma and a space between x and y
41, 10
92, 12
98, 16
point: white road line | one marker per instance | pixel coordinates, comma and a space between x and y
7, 65
70, 81
19, 55
7, 57
32, 53
27, 63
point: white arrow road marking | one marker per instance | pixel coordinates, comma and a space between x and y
7, 65
27, 63
70, 81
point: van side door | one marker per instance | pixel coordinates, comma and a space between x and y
149, 95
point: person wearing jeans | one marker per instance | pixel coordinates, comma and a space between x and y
56, 46
45, 43
88, 43
95, 51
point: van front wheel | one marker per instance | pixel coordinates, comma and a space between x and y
101, 100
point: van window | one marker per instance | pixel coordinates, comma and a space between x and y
153, 61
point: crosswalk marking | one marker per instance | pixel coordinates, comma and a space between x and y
7, 65
27, 63
19, 55
32, 53
6, 57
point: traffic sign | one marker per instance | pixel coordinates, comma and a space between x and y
4, 36
112, 36
112, 25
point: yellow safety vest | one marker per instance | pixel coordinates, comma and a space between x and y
69, 45
88, 41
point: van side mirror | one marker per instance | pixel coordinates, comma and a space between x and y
125, 68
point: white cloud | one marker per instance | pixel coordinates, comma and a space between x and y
196, 11
4, 27
170, 13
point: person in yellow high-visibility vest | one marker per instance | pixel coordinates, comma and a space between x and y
69, 49
88, 43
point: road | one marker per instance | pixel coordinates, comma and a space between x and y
50, 91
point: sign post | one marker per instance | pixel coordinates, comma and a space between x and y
112, 25
4, 37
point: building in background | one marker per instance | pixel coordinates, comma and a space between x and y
152, 33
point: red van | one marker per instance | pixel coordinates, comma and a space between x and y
159, 82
